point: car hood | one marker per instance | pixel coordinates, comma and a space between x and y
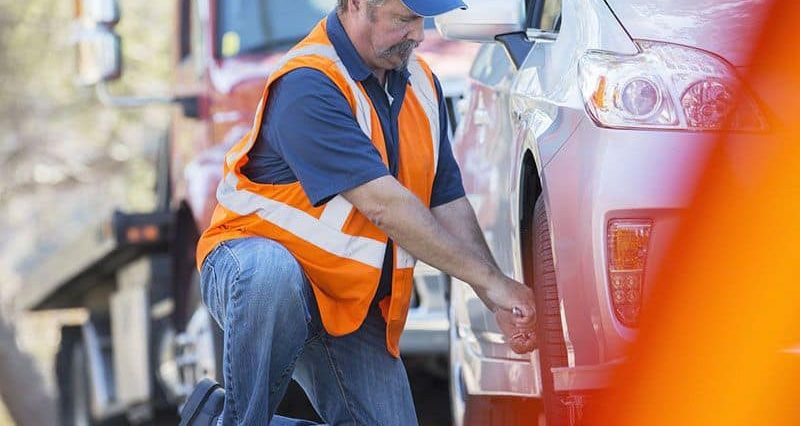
728, 28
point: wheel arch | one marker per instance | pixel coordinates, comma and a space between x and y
530, 189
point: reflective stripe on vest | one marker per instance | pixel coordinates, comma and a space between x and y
427, 97
339, 249
301, 224
322, 232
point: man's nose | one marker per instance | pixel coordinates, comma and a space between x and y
417, 32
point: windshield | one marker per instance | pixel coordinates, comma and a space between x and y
257, 26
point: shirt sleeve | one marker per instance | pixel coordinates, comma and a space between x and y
447, 184
312, 127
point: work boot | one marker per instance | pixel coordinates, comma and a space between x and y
204, 406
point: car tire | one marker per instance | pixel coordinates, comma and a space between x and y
551, 348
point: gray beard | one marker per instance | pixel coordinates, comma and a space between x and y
403, 49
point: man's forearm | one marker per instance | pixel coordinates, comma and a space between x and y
458, 218
464, 255
412, 226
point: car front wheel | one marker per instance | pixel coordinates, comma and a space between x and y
552, 352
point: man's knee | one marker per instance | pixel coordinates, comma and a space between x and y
267, 270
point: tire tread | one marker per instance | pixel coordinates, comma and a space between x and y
552, 348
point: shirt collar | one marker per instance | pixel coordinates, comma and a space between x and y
358, 70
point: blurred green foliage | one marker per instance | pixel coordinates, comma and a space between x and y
65, 160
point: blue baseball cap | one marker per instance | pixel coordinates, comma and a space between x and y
428, 8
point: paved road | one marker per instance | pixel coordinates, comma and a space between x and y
430, 390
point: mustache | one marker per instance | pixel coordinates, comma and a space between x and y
403, 49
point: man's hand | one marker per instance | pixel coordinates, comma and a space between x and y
503, 295
449, 239
513, 307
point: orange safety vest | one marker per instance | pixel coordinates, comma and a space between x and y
339, 249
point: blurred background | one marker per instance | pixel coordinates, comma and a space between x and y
66, 161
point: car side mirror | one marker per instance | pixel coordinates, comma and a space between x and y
483, 20
99, 53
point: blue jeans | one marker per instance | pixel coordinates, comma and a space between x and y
257, 292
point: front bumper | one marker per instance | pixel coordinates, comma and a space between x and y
600, 175
583, 378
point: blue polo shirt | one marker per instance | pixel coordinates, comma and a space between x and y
310, 134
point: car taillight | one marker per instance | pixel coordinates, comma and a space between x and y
666, 86
627, 245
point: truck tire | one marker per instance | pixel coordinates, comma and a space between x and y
72, 373
550, 336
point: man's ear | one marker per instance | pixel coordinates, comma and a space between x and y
357, 5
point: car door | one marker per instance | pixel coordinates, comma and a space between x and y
482, 148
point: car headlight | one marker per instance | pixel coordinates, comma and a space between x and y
666, 86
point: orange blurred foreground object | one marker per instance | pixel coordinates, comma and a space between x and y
718, 328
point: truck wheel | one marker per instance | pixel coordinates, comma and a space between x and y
551, 346
72, 373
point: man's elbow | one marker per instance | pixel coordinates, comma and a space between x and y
387, 212
382, 202
370, 203
377, 213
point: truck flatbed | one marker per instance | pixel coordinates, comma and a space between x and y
93, 257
